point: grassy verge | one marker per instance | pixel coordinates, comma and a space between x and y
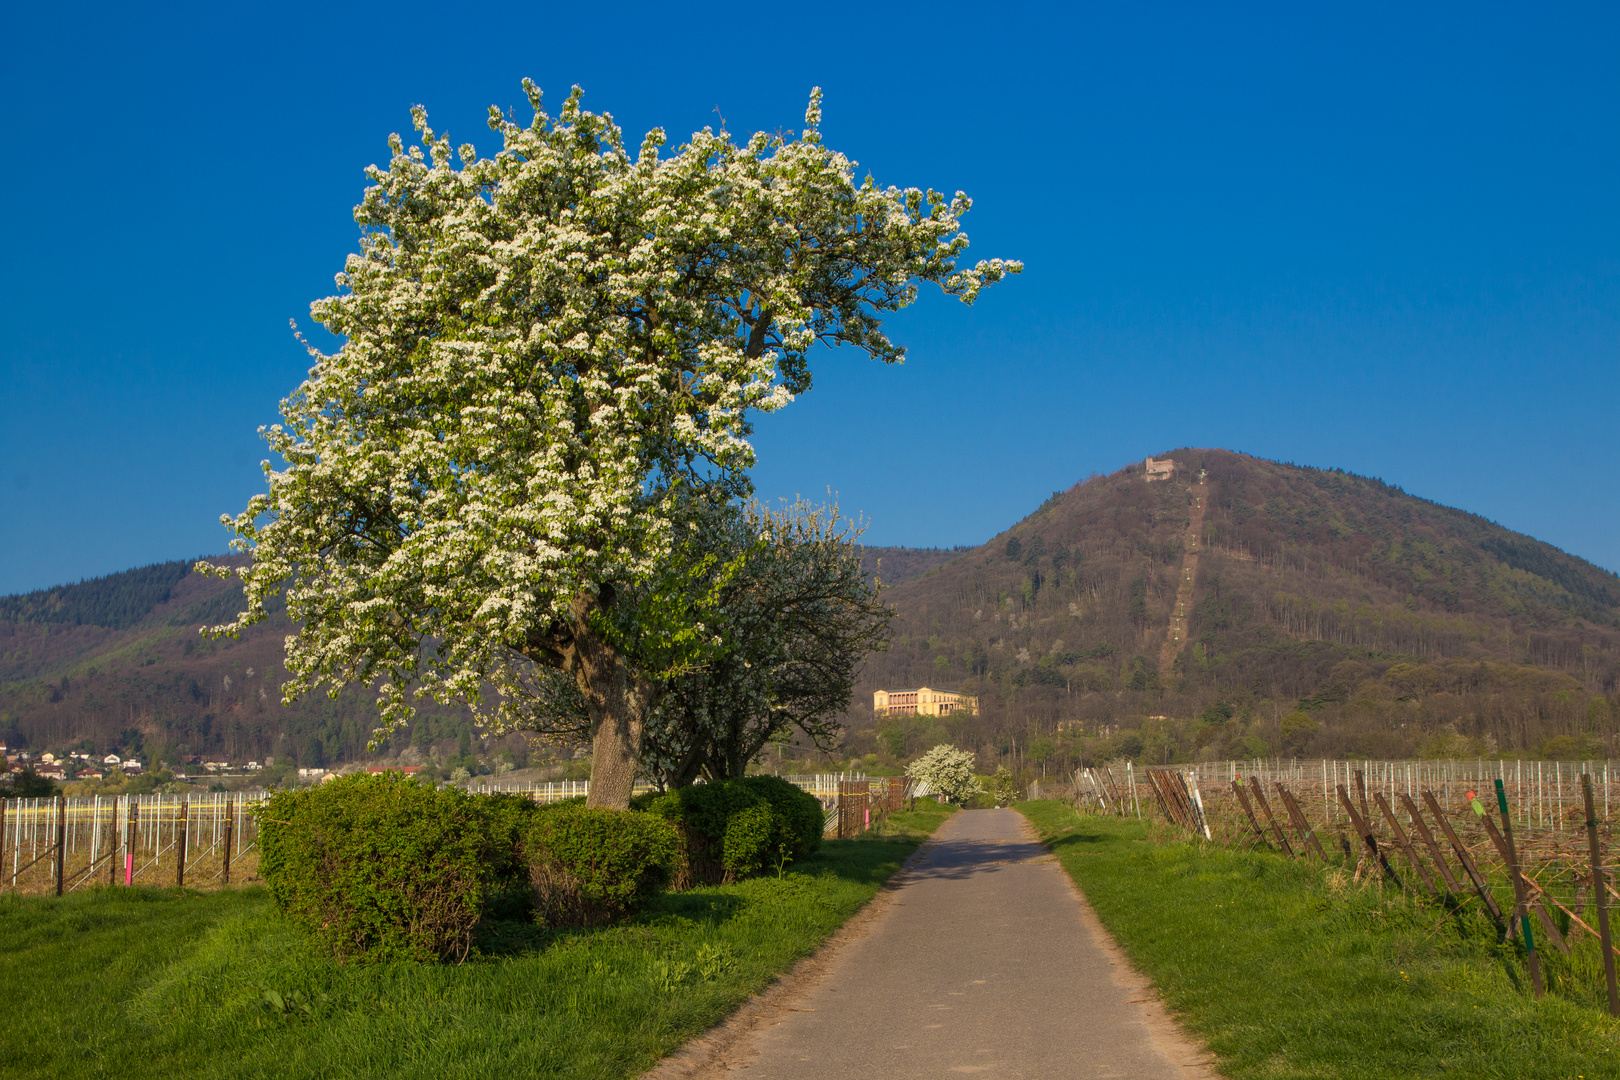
1289, 969
924, 817
164, 983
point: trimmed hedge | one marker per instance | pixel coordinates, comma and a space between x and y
381, 867
591, 865
734, 828
385, 868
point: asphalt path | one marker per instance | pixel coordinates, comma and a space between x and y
985, 961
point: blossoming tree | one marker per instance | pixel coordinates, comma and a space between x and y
549, 361
948, 772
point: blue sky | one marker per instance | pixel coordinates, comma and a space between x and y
1378, 238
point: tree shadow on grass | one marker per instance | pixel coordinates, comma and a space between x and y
506, 938
867, 860
697, 906
862, 861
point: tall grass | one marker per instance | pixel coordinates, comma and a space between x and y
1292, 969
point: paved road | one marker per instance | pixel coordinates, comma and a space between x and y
984, 963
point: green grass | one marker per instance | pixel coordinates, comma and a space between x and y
920, 821
166, 983
1290, 969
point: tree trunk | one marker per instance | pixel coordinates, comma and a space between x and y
613, 755
616, 699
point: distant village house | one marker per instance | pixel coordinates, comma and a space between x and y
923, 701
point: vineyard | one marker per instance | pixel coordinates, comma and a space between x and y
62, 845
210, 840
1523, 844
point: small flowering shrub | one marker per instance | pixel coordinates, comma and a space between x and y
384, 868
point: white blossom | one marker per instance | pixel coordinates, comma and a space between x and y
948, 772
549, 362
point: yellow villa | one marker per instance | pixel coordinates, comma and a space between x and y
923, 701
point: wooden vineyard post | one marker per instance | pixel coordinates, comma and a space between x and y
1463, 857
1195, 806
1534, 905
1406, 844
1176, 785
3, 808
180, 845
1175, 807
1363, 829
1597, 893
1107, 796
112, 843
1361, 792
1521, 908
230, 805
1307, 835
1427, 837
132, 815
1114, 788
1260, 797
61, 840
1167, 796
1158, 795
1243, 799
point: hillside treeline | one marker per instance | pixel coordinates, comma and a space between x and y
1328, 614
1324, 614
115, 664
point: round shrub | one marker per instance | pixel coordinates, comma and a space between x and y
797, 807
381, 867
589, 865
733, 828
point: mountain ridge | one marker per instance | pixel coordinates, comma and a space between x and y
1065, 624
1265, 608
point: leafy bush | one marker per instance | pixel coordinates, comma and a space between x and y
733, 828
798, 808
382, 867
591, 865
1006, 788
27, 784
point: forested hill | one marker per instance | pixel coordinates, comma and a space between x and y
1268, 609
893, 565
116, 664
1262, 609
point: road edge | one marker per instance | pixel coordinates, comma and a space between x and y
705, 1052
1178, 1045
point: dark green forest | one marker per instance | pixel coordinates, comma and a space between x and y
117, 601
